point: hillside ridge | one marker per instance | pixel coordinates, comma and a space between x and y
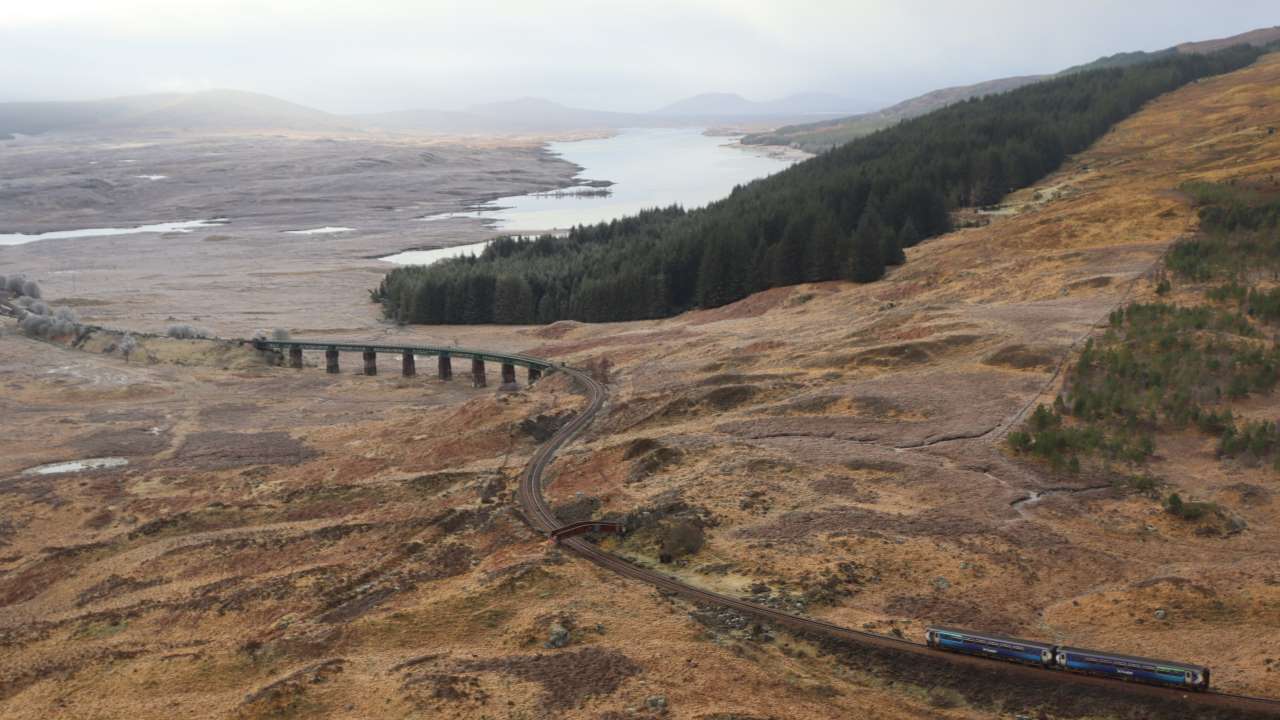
822, 135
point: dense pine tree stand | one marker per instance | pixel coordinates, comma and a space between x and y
845, 214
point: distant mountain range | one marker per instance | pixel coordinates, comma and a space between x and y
233, 110
825, 134
537, 114
209, 110
522, 115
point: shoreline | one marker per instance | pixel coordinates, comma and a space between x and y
774, 152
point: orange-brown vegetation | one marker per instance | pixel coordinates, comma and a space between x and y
289, 543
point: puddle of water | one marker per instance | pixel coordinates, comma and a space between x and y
326, 230
182, 227
76, 466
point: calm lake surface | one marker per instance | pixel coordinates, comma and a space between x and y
650, 167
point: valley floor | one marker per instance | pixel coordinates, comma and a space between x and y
255, 270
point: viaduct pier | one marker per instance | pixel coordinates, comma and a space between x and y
294, 349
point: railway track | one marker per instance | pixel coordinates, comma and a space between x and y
541, 517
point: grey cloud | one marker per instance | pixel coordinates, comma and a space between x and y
613, 56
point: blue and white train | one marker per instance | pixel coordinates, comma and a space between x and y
1059, 657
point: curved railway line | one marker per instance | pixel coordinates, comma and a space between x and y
540, 515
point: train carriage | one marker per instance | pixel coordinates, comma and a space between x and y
1127, 667
1001, 647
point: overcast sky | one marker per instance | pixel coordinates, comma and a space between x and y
374, 55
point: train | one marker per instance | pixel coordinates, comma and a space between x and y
1070, 659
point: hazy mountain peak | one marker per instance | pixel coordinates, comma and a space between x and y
523, 104
712, 103
732, 104
220, 109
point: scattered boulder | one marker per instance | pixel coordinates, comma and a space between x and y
945, 698
757, 502
729, 396
730, 621
1253, 495
581, 507
667, 506
490, 490
640, 446
286, 695
557, 636
1023, 357
654, 458
779, 598
543, 426
845, 579
680, 538
567, 678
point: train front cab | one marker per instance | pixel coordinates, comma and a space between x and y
1134, 669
